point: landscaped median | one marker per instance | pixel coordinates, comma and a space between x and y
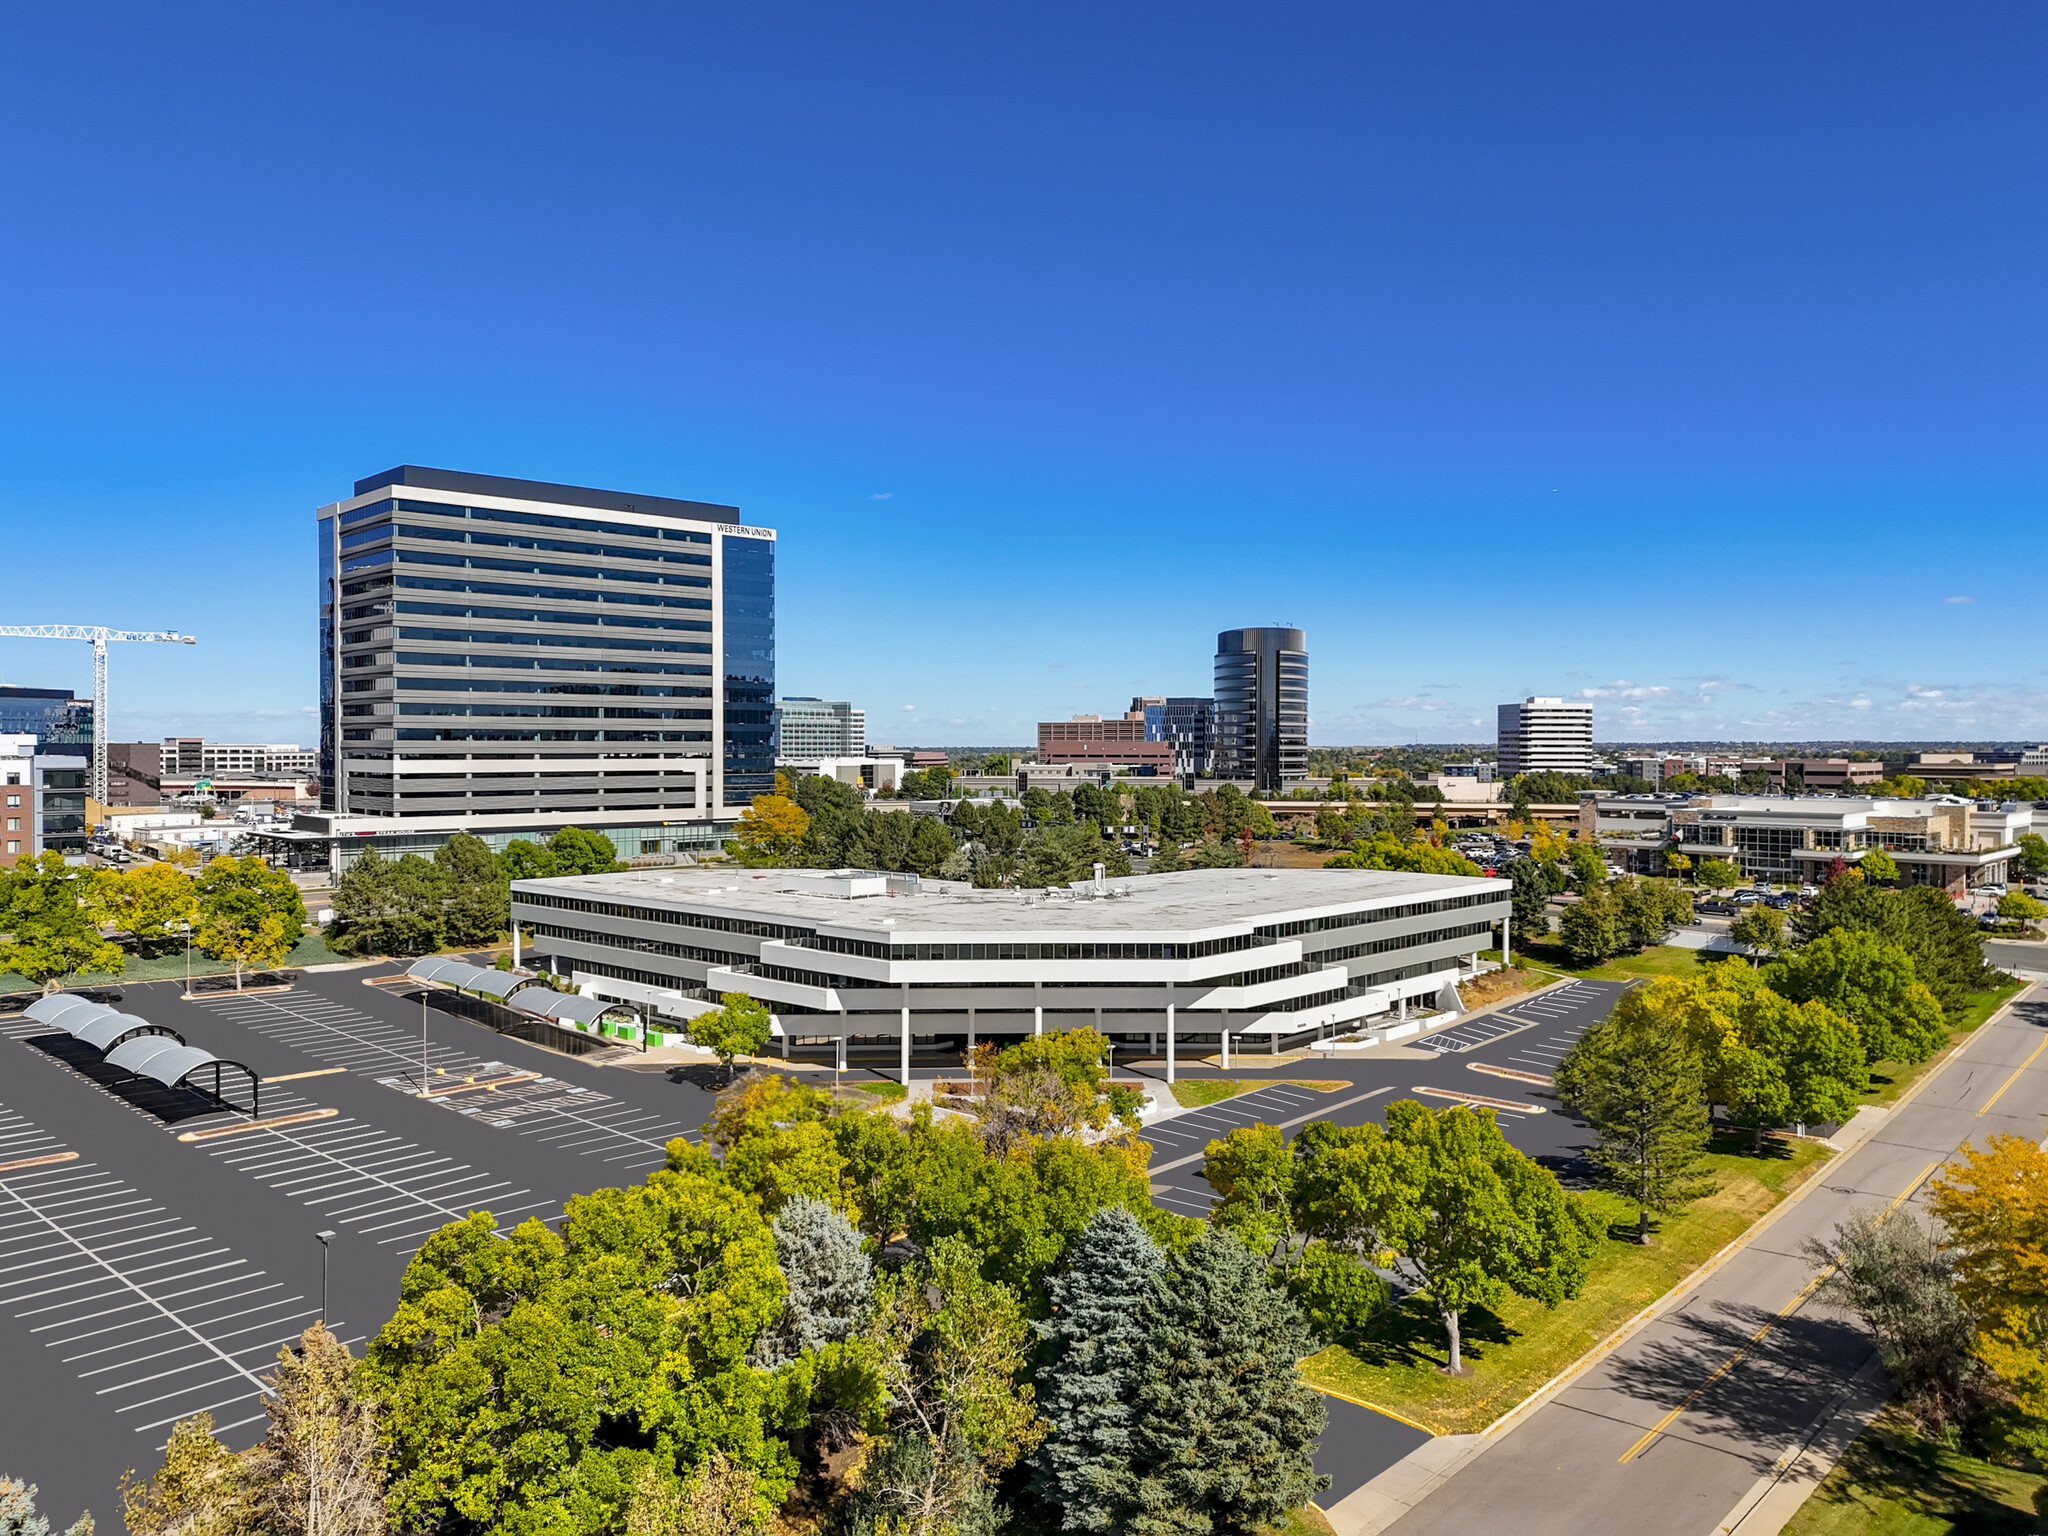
1200, 1092
1396, 1365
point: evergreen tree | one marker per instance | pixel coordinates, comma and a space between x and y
830, 1280
1644, 1091
18, 1515
1227, 1428
479, 902
1086, 1383
390, 906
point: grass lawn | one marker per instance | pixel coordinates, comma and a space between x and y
1195, 1092
1306, 1521
311, 950
1513, 1351
1893, 1482
888, 1093
1658, 960
1889, 1079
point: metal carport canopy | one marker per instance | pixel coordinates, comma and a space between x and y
431, 968
116, 1029
165, 1060
48, 1010
567, 1005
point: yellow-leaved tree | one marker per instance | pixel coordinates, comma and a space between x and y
1992, 1203
770, 829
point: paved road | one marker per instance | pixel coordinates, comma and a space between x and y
1660, 1437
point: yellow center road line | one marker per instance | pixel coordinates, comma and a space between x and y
39, 1162
1756, 1338
293, 1077
259, 1125
2016, 1071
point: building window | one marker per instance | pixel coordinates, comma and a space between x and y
13, 847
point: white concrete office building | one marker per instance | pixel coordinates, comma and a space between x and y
1545, 736
809, 731
1156, 962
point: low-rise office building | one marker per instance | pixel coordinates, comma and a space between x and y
1824, 775
1945, 842
1158, 962
1092, 739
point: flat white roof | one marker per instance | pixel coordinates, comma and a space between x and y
1195, 902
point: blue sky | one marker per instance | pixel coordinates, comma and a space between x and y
1690, 359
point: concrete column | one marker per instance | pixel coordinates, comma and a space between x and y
842, 1048
1505, 959
970, 1031
1037, 1008
1224, 1036
1169, 1042
906, 1047
785, 1045
1402, 1005
1273, 1045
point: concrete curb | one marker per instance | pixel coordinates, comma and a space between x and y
1776, 1496
1385, 1499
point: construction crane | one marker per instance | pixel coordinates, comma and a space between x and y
99, 637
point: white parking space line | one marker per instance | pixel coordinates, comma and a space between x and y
160, 1321
568, 1116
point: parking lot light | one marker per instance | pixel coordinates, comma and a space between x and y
324, 1239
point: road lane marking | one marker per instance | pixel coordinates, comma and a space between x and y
1329, 1109
2016, 1071
293, 1077
1784, 1312
259, 1125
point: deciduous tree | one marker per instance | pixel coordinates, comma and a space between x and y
1888, 1270
1878, 867
198, 1491
154, 903
1643, 1091
1591, 928
1759, 928
319, 1470
1252, 1171
1992, 1206
249, 913
1870, 980
1720, 874
739, 1026
1386, 851
1944, 942
50, 916
771, 830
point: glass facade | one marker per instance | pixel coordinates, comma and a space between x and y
1259, 730
328, 744
48, 714
748, 578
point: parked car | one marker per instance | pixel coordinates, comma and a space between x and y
1716, 908
1748, 898
1782, 903
1808, 892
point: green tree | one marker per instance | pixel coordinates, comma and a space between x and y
1769, 1060
830, 1277
1878, 867
2033, 859
1944, 942
1469, 1217
478, 899
1644, 1092
1226, 1427
1087, 1376
249, 913
739, 1026
390, 906
1060, 855
1645, 911
1720, 874
154, 903
2019, 908
1337, 1293
1761, 928
1888, 1270
1589, 867
1535, 881
578, 852
50, 916
1869, 980
524, 859
1252, 1171
528, 1379
1591, 928
1386, 851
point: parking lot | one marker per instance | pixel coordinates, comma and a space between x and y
156, 1250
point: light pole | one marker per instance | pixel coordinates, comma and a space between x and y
187, 927
423, 1042
324, 1239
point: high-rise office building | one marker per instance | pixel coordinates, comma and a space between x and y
1184, 723
1260, 726
1542, 735
812, 730
508, 657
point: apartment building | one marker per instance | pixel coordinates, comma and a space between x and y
1543, 735
42, 798
1158, 962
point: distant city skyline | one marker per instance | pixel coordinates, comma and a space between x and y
1685, 363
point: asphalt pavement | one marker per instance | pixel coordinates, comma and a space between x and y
1673, 1430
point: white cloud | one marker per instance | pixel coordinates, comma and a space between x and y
1959, 599
910, 706
1625, 689
881, 496
1406, 702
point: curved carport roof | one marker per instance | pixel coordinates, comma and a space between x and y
95, 1024
464, 977
569, 1007
142, 1049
